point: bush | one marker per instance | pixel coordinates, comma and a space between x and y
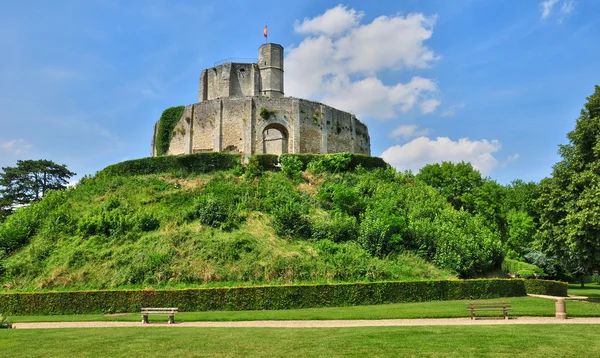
336, 162
338, 228
545, 287
521, 269
259, 297
180, 164
291, 166
290, 221
167, 122
214, 212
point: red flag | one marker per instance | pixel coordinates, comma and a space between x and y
266, 30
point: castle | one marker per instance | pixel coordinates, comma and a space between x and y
242, 109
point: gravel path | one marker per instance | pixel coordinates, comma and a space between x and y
323, 324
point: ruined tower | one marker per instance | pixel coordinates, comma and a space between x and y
270, 64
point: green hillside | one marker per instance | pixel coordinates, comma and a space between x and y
328, 221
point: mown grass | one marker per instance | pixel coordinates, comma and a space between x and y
521, 306
591, 290
432, 341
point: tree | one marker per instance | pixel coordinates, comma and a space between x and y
569, 201
453, 181
30, 180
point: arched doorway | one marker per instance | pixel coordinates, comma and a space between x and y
275, 139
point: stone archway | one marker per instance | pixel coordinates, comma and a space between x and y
275, 139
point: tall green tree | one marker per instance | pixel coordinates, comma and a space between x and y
569, 201
452, 180
30, 180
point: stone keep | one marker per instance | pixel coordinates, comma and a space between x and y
242, 109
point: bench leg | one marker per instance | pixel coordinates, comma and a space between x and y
505, 314
144, 318
473, 314
171, 319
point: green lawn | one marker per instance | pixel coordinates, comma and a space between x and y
522, 306
592, 290
431, 341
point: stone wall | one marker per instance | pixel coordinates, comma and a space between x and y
258, 125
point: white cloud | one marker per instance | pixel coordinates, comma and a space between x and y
428, 106
408, 131
16, 146
546, 7
451, 111
339, 62
567, 7
510, 159
421, 151
333, 22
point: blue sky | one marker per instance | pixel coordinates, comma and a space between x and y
496, 83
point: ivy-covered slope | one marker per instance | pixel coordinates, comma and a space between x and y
242, 226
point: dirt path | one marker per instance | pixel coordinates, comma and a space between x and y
322, 324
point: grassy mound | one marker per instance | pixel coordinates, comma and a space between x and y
242, 227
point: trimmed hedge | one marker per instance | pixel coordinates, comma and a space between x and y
544, 287
265, 297
265, 161
181, 164
365, 161
167, 122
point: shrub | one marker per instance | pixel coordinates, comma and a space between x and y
180, 164
214, 212
291, 166
545, 287
258, 297
290, 221
337, 162
521, 269
167, 122
338, 228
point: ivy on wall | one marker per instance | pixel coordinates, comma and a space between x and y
166, 124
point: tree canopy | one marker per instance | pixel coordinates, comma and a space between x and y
29, 181
569, 201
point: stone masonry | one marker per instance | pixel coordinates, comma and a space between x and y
242, 109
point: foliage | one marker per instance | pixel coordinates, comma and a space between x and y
29, 181
521, 269
569, 201
260, 297
267, 114
336, 162
167, 122
257, 164
545, 287
291, 166
4, 322
178, 164
453, 181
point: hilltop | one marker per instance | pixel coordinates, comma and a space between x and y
202, 219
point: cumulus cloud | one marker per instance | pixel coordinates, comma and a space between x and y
408, 131
422, 150
332, 22
340, 58
16, 146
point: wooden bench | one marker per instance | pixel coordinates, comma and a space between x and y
159, 311
488, 306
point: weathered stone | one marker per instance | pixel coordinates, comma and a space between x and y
241, 108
